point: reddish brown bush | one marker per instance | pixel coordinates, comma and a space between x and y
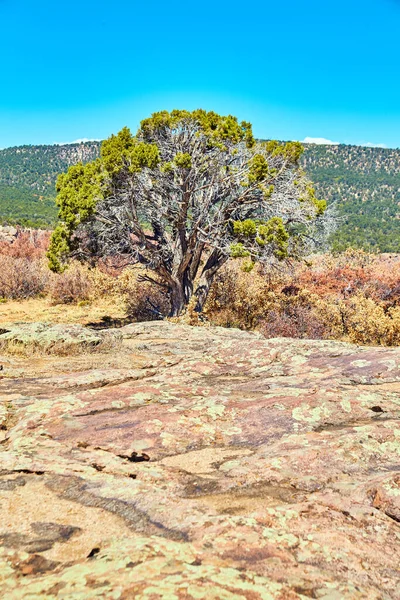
29, 244
146, 302
22, 278
74, 285
297, 322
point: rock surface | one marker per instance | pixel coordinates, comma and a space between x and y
190, 463
26, 338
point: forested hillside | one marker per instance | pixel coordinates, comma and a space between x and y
364, 183
27, 178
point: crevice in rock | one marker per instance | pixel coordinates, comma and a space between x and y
93, 552
388, 514
355, 423
135, 457
379, 505
132, 457
78, 490
109, 409
26, 471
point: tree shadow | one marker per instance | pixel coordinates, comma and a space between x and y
107, 322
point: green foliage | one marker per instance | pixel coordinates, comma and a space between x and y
116, 150
275, 234
247, 266
166, 167
183, 160
78, 192
123, 151
259, 169
272, 233
143, 155
293, 151
215, 127
247, 228
59, 248
310, 196
239, 251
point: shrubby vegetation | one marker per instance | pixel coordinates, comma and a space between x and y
353, 296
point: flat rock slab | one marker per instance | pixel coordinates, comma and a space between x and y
53, 338
189, 463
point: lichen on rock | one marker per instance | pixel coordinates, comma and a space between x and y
189, 463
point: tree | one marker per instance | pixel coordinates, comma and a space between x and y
187, 192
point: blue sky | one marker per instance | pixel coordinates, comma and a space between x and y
295, 69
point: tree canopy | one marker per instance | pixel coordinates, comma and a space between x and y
190, 190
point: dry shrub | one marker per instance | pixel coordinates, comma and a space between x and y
270, 302
342, 275
351, 273
294, 321
366, 321
104, 284
29, 244
354, 296
239, 298
361, 320
74, 285
23, 273
22, 278
144, 301
80, 283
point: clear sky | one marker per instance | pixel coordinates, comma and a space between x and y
296, 68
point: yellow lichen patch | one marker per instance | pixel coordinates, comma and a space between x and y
306, 414
204, 461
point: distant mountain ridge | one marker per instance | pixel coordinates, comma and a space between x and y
27, 180
364, 182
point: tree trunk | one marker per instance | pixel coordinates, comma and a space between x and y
212, 266
202, 290
177, 297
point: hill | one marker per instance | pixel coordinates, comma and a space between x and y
27, 179
363, 182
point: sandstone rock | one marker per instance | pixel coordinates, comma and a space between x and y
47, 337
8, 233
191, 463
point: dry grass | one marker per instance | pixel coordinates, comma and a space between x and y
59, 348
42, 309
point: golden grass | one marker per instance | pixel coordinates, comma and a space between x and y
41, 309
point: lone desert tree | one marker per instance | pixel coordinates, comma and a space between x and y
187, 192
